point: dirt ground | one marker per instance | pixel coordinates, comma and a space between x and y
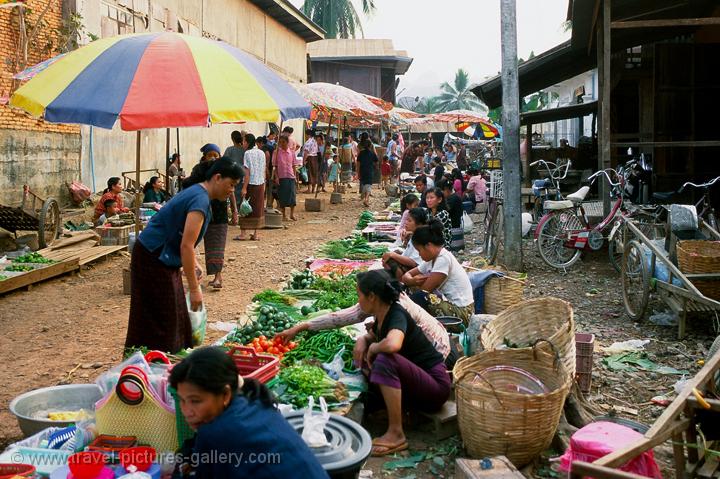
72, 328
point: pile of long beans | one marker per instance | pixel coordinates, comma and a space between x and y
323, 346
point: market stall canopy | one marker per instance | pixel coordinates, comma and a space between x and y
355, 102
379, 102
158, 80
323, 105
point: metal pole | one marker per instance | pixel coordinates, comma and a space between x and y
138, 192
167, 154
512, 209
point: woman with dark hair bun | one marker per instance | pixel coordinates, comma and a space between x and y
112, 192
399, 359
235, 418
444, 286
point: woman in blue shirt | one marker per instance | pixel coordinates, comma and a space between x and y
159, 316
240, 433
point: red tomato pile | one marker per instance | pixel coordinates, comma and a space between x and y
274, 346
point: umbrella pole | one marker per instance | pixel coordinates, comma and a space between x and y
138, 197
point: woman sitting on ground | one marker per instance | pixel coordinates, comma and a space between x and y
437, 207
153, 191
400, 263
476, 188
398, 358
235, 418
407, 203
112, 192
455, 209
458, 182
444, 288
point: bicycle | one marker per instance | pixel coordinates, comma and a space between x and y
705, 209
564, 232
548, 189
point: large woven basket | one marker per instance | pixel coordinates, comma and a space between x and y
698, 257
538, 318
503, 292
496, 422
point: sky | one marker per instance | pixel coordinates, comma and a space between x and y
444, 35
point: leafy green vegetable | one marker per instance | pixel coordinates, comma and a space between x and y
2, 277
365, 219
270, 296
19, 267
303, 381
356, 247
337, 292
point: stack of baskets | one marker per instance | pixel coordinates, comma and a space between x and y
495, 419
701, 257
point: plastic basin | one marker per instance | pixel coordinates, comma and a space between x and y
141, 457
86, 465
71, 397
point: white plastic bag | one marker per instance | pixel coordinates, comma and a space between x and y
198, 321
335, 366
314, 424
467, 223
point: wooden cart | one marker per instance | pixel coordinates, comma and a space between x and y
33, 214
643, 259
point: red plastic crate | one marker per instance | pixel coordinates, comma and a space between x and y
584, 348
252, 365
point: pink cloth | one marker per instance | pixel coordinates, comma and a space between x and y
599, 439
478, 185
457, 186
284, 161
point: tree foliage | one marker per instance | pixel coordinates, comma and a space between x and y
338, 18
458, 95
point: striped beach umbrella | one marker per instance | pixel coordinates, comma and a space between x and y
158, 80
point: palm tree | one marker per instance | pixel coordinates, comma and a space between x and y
458, 95
338, 18
428, 105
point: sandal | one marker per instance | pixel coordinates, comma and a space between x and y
387, 449
254, 238
240, 238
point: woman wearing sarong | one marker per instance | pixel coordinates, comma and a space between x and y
284, 176
255, 168
158, 312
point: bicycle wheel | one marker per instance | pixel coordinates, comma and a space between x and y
635, 280
616, 247
553, 234
494, 236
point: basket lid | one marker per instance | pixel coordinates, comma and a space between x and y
350, 444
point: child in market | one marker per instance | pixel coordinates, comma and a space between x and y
334, 174
386, 170
110, 211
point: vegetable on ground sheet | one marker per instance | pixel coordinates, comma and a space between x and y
323, 346
301, 381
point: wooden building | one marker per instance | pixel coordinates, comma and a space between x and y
366, 66
658, 77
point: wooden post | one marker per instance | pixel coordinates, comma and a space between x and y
138, 193
512, 209
603, 57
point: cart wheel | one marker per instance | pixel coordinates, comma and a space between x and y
48, 223
493, 236
616, 247
635, 280
551, 238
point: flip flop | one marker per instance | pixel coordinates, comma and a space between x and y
388, 448
238, 238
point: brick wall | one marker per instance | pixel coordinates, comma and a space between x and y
9, 32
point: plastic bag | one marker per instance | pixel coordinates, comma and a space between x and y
198, 321
334, 368
467, 223
303, 174
631, 345
244, 209
314, 424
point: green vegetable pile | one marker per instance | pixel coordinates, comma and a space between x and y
337, 292
33, 258
19, 267
299, 382
302, 279
365, 219
2, 277
269, 322
323, 346
356, 247
271, 296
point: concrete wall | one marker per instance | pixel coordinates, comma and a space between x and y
42, 160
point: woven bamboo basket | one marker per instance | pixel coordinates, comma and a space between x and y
533, 319
503, 292
494, 421
698, 257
